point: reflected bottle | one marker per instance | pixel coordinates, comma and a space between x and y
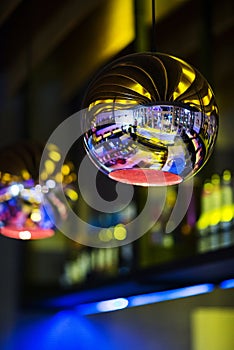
203, 223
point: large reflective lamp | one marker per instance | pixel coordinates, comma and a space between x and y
150, 119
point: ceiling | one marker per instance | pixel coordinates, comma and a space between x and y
71, 33
51, 50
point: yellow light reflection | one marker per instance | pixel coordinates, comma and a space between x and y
55, 156
104, 102
120, 232
65, 169
25, 174
187, 77
6, 177
182, 87
68, 179
105, 235
72, 194
110, 104
49, 166
52, 147
43, 176
59, 177
141, 90
73, 176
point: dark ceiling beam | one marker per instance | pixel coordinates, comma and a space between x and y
47, 39
7, 7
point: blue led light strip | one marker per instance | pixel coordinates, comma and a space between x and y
227, 284
143, 299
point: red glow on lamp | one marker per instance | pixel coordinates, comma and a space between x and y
145, 177
26, 233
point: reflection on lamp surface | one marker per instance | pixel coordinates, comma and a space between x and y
149, 119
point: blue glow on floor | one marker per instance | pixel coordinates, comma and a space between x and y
66, 330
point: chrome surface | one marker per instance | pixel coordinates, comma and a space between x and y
149, 119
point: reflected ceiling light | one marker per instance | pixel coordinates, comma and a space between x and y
150, 119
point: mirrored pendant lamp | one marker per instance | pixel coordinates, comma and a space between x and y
22, 214
29, 209
150, 119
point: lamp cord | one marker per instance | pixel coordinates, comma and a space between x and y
153, 39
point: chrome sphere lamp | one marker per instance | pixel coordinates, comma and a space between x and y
150, 119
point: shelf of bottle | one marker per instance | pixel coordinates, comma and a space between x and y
208, 267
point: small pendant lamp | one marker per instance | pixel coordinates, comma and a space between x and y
22, 214
29, 209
